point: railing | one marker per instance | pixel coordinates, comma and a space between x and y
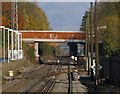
110, 69
11, 44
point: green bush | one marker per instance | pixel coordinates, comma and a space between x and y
46, 51
29, 52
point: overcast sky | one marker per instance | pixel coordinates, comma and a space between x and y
64, 16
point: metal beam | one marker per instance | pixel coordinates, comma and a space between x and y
32, 40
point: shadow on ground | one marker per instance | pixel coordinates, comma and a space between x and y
100, 89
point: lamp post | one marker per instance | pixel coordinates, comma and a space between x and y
97, 67
91, 39
87, 41
96, 45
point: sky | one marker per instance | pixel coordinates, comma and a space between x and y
64, 16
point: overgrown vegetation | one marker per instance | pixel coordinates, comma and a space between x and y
46, 51
108, 15
30, 17
29, 52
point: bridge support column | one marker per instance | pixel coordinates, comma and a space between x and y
36, 51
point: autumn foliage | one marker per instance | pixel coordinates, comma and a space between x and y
30, 16
108, 14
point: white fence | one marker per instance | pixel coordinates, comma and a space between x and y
11, 44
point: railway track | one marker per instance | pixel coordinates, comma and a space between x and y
28, 80
44, 85
24, 75
69, 80
41, 80
49, 85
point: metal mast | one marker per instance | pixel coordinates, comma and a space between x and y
14, 26
14, 15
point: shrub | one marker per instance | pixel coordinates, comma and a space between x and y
29, 52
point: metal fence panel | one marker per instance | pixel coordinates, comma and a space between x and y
111, 69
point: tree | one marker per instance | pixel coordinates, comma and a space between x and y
108, 16
46, 51
83, 25
30, 17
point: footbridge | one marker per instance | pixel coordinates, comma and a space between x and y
11, 40
71, 37
52, 36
